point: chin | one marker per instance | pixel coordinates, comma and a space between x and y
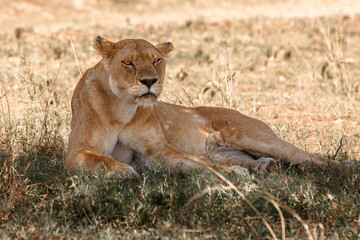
146, 100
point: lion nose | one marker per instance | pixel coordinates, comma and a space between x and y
148, 81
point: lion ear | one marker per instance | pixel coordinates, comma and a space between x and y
104, 47
165, 48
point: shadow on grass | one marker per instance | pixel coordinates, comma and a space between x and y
55, 203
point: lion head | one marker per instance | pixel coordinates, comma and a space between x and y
136, 68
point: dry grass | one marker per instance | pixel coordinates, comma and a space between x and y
267, 59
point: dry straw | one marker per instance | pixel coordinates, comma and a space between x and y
336, 60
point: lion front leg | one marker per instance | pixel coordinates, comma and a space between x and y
89, 160
231, 158
175, 158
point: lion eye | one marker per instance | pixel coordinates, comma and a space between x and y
127, 63
157, 60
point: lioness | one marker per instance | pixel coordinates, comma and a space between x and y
118, 120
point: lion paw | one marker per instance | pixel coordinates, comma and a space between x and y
265, 164
239, 170
128, 173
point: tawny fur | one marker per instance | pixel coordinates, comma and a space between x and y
117, 120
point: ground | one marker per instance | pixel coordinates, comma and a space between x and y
292, 64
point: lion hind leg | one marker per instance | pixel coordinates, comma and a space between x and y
276, 148
253, 136
92, 161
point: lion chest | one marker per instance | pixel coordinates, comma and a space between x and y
143, 133
150, 131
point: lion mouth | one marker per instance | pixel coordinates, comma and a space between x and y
148, 94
